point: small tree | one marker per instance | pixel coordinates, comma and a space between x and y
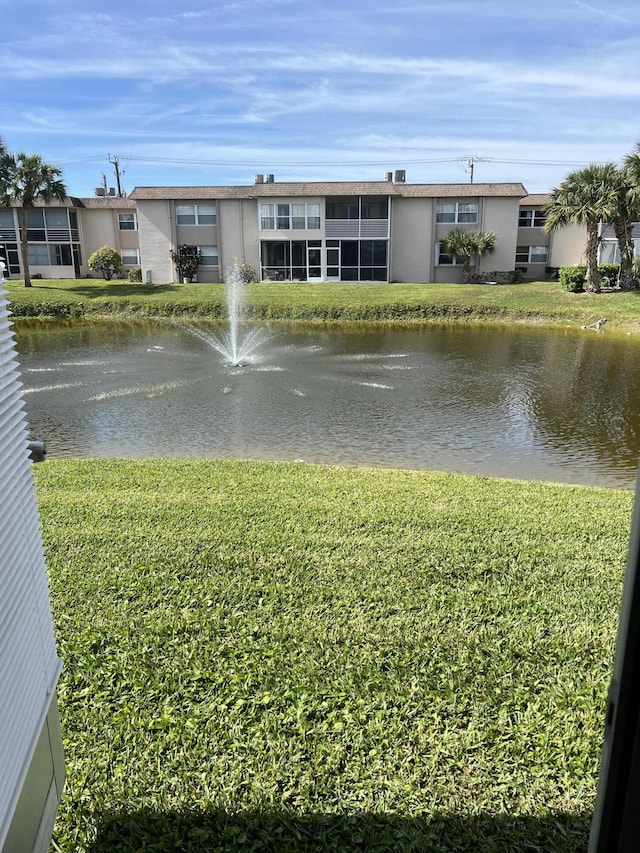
187, 260
466, 246
106, 261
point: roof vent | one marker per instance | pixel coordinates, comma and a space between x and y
258, 179
268, 179
400, 176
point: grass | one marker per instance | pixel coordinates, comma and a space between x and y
535, 302
286, 657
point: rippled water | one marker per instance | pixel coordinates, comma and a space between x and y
534, 404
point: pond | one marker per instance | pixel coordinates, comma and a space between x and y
508, 402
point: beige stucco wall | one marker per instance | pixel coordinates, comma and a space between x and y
411, 246
567, 246
99, 228
155, 230
500, 215
238, 233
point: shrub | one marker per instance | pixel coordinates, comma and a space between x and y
610, 273
135, 274
244, 271
552, 272
187, 260
106, 261
572, 278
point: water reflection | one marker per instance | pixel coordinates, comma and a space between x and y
536, 404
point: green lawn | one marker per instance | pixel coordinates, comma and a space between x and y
534, 302
287, 657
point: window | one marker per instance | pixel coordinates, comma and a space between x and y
7, 225
313, 216
208, 256
343, 208
374, 208
56, 218
130, 257
285, 217
444, 260
457, 212
610, 251
35, 226
532, 254
50, 254
267, 217
196, 214
127, 222
38, 254
529, 218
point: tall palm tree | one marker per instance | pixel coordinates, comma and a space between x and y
587, 197
25, 179
468, 245
631, 170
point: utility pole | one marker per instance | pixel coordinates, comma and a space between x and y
468, 162
115, 162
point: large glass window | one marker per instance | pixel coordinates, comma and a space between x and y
38, 254
50, 254
347, 207
457, 212
375, 207
56, 218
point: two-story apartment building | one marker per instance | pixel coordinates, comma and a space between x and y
386, 230
325, 231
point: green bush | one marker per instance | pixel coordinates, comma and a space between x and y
610, 272
106, 261
135, 274
572, 278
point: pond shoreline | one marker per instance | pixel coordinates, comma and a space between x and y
534, 304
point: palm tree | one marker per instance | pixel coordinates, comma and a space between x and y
631, 171
587, 197
25, 179
468, 245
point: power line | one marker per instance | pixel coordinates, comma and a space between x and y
308, 164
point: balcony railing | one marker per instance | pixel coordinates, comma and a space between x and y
366, 228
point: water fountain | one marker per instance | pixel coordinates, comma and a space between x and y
235, 349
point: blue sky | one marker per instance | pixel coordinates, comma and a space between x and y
197, 92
